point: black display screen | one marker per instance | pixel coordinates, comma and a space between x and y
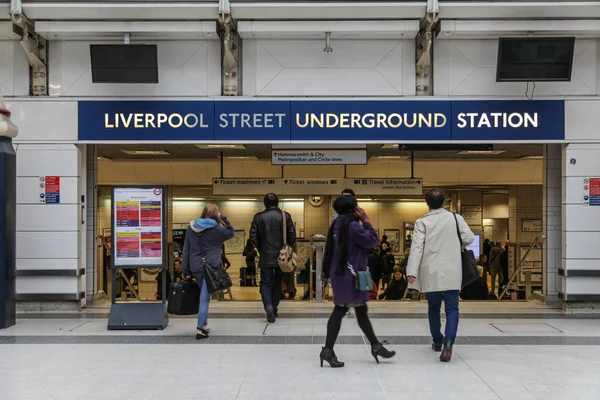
535, 59
124, 63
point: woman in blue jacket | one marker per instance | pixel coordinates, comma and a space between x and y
201, 250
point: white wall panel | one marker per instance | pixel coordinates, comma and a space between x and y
47, 245
48, 217
582, 120
34, 162
582, 244
28, 190
46, 284
185, 68
355, 67
44, 121
14, 69
590, 265
47, 263
584, 285
468, 67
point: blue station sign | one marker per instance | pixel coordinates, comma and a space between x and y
285, 121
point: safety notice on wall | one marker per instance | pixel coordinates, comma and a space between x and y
49, 189
319, 157
591, 191
138, 226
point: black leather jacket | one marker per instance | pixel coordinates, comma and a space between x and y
266, 234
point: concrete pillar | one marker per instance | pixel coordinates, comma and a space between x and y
8, 218
552, 219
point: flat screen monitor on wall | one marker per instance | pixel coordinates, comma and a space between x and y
548, 59
476, 246
124, 63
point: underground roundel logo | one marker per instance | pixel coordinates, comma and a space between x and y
157, 191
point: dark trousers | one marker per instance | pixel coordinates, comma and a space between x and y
271, 281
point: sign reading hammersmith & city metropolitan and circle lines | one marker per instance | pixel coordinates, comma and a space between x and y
314, 121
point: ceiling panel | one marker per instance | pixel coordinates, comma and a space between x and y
263, 151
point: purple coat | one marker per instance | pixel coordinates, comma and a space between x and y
361, 238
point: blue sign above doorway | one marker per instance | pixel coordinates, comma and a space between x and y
341, 121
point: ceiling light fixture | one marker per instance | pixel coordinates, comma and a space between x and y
293, 200
393, 157
481, 152
101, 158
221, 146
242, 158
389, 146
532, 158
235, 199
188, 198
147, 152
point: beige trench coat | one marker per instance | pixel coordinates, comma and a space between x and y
435, 259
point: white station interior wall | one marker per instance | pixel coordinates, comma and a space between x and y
48, 235
354, 68
581, 231
185, 68
468, 67
14, 69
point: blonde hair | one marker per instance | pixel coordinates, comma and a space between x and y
212, 211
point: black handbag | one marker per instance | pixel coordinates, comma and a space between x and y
469, 264
217, 279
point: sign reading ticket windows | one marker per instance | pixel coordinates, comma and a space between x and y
138, 226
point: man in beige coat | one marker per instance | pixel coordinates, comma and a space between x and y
435, 266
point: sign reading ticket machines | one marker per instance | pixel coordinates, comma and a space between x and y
138, 227
139, 241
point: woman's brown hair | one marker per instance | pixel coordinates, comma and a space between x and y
212, 211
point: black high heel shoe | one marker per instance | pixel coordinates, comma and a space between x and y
377, 350
329, 356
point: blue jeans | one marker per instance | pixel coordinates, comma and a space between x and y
204, 301
271, 286
434, 299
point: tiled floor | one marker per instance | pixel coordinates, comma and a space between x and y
495, 358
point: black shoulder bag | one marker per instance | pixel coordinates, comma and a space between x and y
217, 279
469, 265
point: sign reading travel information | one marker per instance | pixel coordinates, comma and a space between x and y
138, 226
321, 121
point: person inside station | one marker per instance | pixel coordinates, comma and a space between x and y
374, 262
178, 274
224, 260
397, 288
251, 254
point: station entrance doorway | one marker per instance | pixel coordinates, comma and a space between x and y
498, 189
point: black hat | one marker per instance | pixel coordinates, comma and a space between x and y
345, 204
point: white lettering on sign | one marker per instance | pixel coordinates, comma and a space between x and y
147, 120
257, 120
497, 120
371, 120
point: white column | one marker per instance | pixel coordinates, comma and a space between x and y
552, 218
49, 239
580, 228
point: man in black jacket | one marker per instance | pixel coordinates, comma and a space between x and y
266, 233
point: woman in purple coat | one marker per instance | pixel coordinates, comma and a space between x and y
348, 242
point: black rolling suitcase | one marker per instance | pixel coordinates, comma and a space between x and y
243, 276
184, 298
